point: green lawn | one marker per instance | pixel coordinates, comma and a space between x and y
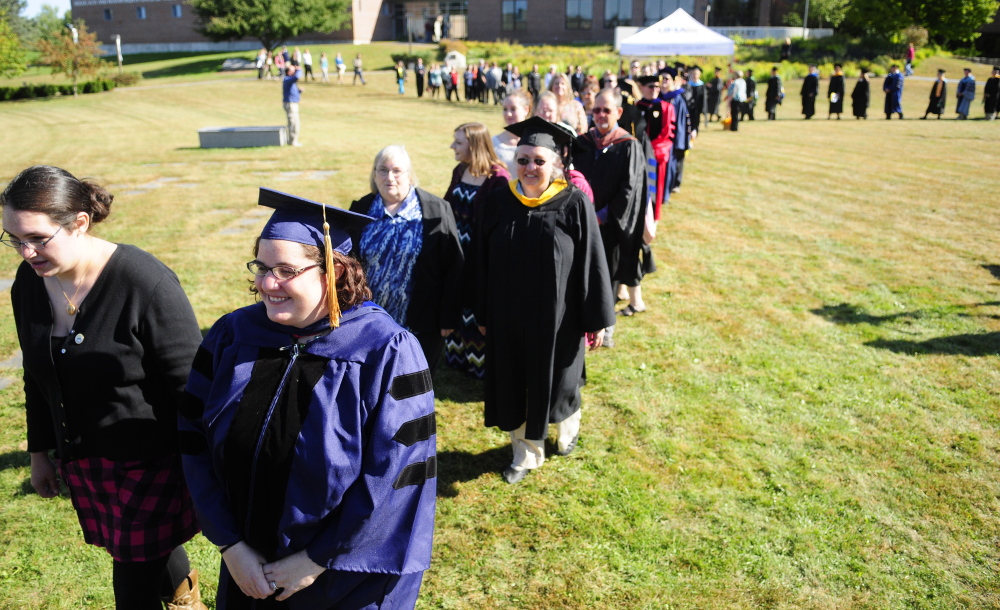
807, 417
183, 67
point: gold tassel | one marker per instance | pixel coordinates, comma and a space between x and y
331, 276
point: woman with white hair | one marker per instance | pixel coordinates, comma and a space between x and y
544, 293
411, 253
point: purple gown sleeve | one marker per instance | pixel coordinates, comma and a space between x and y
209, 496
385, 521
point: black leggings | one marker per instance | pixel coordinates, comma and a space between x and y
140, 585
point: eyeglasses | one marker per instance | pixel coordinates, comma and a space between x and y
281, 273
526, 161
384, 172
34, 244
598, 110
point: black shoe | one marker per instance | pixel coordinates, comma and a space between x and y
514, 475
570, 447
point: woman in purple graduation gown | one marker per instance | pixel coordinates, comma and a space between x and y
309, 430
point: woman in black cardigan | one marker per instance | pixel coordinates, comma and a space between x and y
108, 337
411, 252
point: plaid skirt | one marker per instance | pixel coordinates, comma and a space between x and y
138, 510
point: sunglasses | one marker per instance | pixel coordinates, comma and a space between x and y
601, 111
525, 161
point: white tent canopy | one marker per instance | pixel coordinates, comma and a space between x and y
678, 34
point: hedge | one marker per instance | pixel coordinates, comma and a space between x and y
50, 90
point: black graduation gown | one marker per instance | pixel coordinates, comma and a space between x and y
991, 95
836, 86
617, 175
860, 98
696, 108
713, 93
773, 96
810, 89
436, 300
937, 102
543, 284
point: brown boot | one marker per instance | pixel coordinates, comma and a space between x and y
187, 596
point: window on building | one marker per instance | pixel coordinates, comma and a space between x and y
140, 12
514, 14
453, 8
178, 11
108, 14
734, 13
658, 9
617, 12
579, 14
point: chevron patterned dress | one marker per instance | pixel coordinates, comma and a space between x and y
465, 347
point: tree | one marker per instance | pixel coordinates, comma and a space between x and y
12, 56
951, 20
10, 10
272, 22
831, 12
49, 24
65, 56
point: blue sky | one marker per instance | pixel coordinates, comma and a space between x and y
35, 6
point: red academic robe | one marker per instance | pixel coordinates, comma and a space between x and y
660, 126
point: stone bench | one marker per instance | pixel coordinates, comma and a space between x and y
242, 137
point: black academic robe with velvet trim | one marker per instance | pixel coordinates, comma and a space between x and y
543, 283
617, 175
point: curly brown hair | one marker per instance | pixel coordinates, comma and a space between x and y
352, 287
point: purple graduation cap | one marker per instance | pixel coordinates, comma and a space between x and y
314, 224
301, 220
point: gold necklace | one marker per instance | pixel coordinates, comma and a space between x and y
71, 308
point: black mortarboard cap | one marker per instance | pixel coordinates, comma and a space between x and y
301, 220
648, 80
536, 131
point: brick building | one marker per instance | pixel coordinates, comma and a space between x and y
169, 25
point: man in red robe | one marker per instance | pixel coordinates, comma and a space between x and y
660, 119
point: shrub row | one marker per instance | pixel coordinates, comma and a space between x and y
33, 91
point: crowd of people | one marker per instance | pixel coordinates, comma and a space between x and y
731, 98
299, 434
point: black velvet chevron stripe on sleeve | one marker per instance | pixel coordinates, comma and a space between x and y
415, 474
416, 430
412, 384
190, 406
203, 363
